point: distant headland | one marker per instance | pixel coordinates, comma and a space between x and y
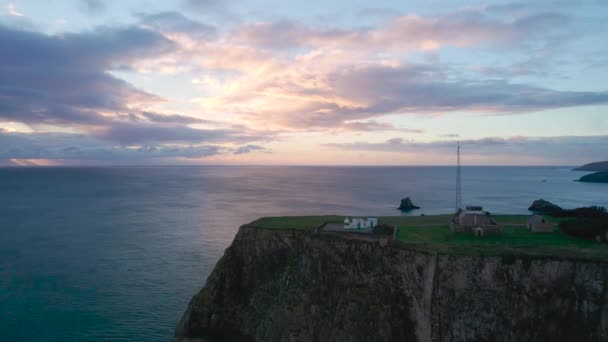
597, 166
597, 177
600, 175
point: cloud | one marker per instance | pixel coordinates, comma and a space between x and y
508, 8
150, 133
248, 149
12, 10
371, 126
56, 148
313, 99
64, 79
281, 75
378, 12
173, 118
296, 76
170, 23
403, 32
424, 88
204, 4
574, 149
94, 6
222, 8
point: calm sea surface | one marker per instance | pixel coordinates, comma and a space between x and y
115, 254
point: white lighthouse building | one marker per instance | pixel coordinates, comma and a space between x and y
360, 223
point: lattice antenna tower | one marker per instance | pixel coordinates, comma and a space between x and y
458, 181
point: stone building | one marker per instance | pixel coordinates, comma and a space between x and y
476, 221
538, 224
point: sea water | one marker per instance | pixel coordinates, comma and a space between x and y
115, 254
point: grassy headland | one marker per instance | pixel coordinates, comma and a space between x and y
432, 233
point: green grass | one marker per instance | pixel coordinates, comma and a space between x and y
295, 222
513, 236
312, 222
408, 221
516, 239
432, 233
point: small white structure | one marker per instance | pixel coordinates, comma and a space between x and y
360, 223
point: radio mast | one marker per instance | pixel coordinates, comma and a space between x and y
458, 181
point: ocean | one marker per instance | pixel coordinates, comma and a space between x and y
116, 253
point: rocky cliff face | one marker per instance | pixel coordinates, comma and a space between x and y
279, 285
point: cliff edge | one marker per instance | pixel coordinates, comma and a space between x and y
300, 285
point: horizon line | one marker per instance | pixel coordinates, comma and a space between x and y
278, 165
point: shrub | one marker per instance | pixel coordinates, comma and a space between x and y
585, 212
383, 229
585, 227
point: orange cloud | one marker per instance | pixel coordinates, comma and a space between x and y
34, 162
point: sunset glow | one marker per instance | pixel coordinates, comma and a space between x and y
249, 82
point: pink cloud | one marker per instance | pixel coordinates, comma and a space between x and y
400, 32
491, 150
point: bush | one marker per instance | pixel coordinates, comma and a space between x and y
585, 212
383, 229
586, 227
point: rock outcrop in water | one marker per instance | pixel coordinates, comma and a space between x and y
544, 207
407, 205
287, 285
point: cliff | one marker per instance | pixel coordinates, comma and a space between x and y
298, 285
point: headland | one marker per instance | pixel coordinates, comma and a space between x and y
287, 279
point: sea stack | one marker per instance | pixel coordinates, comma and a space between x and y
407, 205
545, 207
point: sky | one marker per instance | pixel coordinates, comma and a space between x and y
343, 82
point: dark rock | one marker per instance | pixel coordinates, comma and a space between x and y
598, 177
406, 205
542, 206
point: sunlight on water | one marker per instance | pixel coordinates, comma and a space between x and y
117, 253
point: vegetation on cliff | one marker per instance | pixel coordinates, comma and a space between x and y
588, 223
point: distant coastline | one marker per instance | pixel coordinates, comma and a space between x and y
596, 167
597, 177
600, 174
